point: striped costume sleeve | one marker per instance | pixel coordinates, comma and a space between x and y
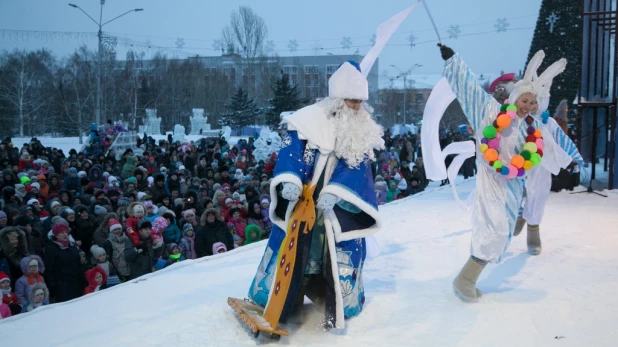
470, 94
565, 142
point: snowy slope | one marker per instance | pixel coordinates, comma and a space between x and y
565, 297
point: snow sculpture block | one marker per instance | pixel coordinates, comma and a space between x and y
199, 124
226, 132
152, 124
123, 141
179, 134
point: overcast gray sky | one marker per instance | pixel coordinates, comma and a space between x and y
313, 23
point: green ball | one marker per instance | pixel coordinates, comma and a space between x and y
503, 107
497, 164
535, 158
489, 132
530, 147
512, 108
526, 155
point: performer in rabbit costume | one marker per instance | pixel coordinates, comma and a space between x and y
508, 150
538, 181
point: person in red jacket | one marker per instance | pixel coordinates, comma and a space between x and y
8, 297
135, 211
96, 278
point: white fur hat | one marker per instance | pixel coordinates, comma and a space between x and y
348, 83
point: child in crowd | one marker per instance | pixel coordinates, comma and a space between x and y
96, 278
8, 297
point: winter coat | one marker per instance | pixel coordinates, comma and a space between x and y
172, 234
141, 263
126, 252
64, 275
129, 166
84, 231
187, 247
210, 233
28, 307
26, 281
251, 229
239, 226
14, 255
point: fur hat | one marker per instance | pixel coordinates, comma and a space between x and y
348, 83
217, 247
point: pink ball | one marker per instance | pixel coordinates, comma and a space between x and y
493, 143
512, 114
540, 144
512, 172
498, 136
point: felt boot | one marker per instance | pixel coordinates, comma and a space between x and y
534, 240
464, 284
519, 225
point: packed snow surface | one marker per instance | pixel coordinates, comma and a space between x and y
564, 297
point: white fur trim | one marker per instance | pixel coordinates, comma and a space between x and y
313, 124
332, 250
281, 178
348, 83
344, 194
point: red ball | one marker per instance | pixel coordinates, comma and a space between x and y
539, 152
530, 138
529, 120
498, 170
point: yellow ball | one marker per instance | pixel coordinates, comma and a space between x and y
530, 147
528, 165
483, 147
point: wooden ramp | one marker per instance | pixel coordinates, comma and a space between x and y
253, 317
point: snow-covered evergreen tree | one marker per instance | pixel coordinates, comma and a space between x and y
242, 111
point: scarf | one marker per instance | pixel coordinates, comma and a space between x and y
191, 241
175, 256
118, 254
63, 244
34, 278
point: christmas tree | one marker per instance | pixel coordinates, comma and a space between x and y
243, 111
558, 34
287, 98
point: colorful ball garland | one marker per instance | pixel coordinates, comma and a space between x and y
529, 157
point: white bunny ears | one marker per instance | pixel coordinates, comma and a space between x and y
535, 84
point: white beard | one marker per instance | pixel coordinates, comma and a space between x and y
356, 133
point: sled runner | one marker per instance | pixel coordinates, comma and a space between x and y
253, 317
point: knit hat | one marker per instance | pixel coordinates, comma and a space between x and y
54, 203
177, 201
187, 227
33, 201
24, 180
150, 180
98, 251
4, 277
228, 201
36, 185
111, 179
82, 174
171, 247
132, 179
59, 228
99, 210
187, 212
3, 214
114, 224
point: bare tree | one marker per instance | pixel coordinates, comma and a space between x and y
24, 84
245, 34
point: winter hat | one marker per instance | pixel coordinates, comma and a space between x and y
195, 181
397, 177
186, 228
150, 179
185, 213
265, 201
138, 208
181, 168
4, 277
20, 187
54, 203
59, 228
82, 174
236, 195
171, 247
124, 202
216, 186
163, 210
177, 202
36, 185
140, 195
98, 251
132, 179
24, 180
32, 201
111, 179
100, 210
228, 201
59, 220
2, 214
72, 171
218, 246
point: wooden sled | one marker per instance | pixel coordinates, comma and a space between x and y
253, 317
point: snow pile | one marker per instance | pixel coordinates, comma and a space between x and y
566, 296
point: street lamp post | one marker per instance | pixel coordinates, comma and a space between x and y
100, 24
405, 74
